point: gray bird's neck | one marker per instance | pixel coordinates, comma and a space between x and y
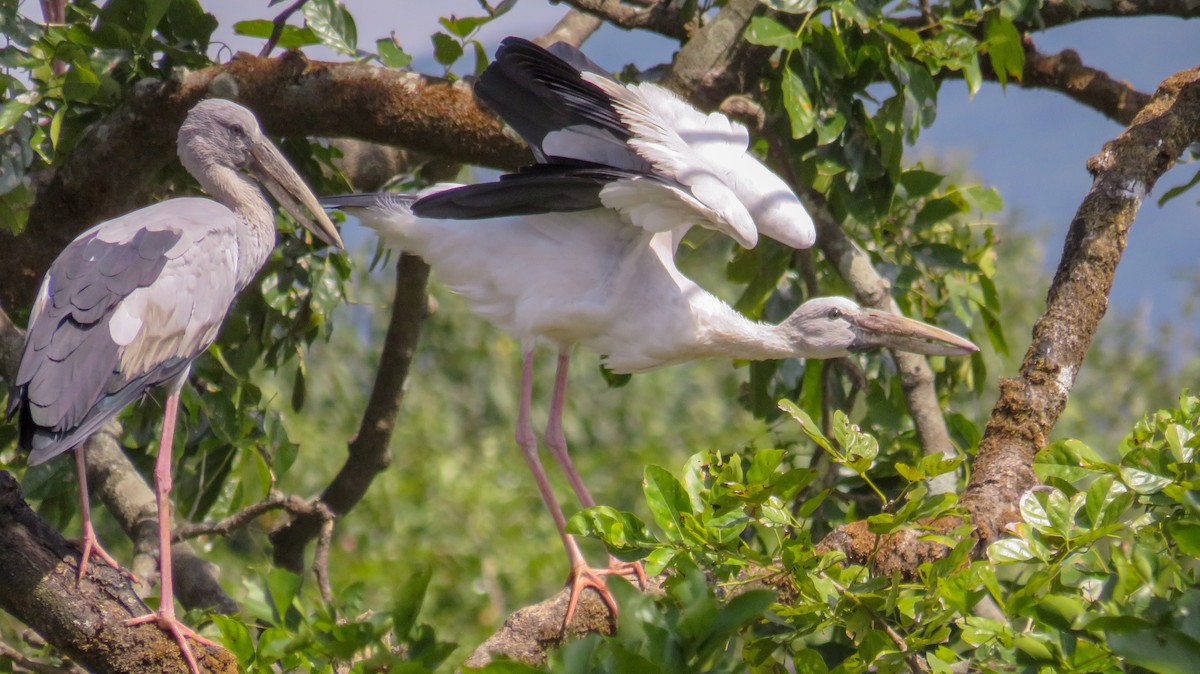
256, 235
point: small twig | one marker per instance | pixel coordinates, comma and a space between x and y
22, 662
321, 558
274, 501
277, 29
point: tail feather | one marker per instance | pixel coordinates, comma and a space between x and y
367, 200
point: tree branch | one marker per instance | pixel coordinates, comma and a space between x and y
109, 170
277, 27
85, 619
1066, 73
1059, 12
368, 452
660, 16
1123, 173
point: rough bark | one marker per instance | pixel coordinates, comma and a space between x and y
1124, 173
660, 16
38, 571
368, 453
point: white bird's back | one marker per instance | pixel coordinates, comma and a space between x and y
584, 278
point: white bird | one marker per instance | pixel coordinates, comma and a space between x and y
684, 167
579, 248
589, 277
130, 303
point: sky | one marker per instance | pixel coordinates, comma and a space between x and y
1031, 145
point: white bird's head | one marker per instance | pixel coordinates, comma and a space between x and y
828, 327
222, 134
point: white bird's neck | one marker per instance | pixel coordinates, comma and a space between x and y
256, 237
732, 335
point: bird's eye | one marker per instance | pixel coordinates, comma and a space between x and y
237, 129
835, 314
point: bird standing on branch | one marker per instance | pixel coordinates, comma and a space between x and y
579, 248
130, 303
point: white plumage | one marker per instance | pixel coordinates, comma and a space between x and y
579, 248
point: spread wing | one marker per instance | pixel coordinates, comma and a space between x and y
570, 110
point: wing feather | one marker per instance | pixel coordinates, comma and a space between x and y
121, 310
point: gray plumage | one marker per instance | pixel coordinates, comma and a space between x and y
130, 303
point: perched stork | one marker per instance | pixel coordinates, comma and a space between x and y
134, 300
594, 278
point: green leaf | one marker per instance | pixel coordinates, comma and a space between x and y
1143, 471
1158, 649
1004, 47
667, 500
283, 586
1179, 189
13, 109
391, 55
332, 25
462, 28
1010, 550
292, 37
984, 199
1186, 536
235, 637
768, 32
799, 106
446, 49
80, 84
809, 427
622, 532
409, 599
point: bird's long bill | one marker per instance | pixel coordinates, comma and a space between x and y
881, 329
288, 188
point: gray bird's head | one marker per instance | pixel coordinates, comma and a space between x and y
220, 134
829, 327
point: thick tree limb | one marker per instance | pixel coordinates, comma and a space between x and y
1066, 73
1123, 173
368, 452
574, 28
110, 169
529, 633
1059, 12
660, 16
38, 571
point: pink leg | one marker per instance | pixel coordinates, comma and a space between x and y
581, 576
165, 617
556, 440
87, 541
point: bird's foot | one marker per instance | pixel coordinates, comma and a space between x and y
617, 567
582, 577
89, 546
167, 621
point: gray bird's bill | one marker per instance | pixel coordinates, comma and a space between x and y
288, 188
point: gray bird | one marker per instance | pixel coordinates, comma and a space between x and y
130, 303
